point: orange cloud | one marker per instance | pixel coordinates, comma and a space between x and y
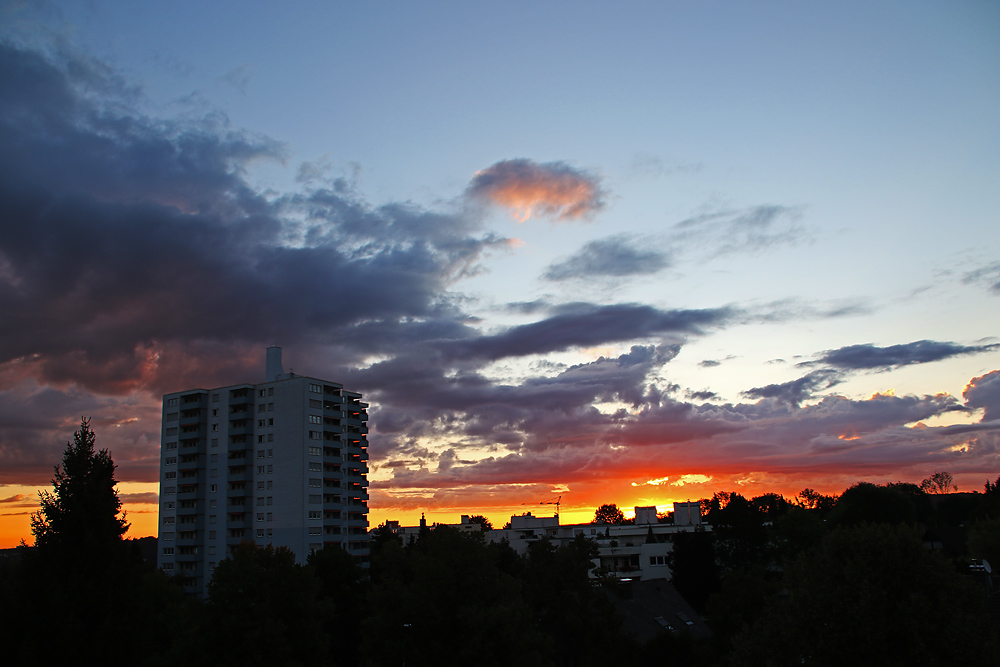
528, 188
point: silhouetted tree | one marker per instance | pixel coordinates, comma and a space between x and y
264, 609
483, 521
865, 502
939, 482
814, 500
82, 512
872, 595
609, 514
693, 567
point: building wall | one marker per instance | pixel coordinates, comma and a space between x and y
281, 463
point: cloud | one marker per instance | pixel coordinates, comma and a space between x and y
988, 275
796, 391
984, 392
863, 357
615, 257
589, 326
529, 188
751, 229
147, 498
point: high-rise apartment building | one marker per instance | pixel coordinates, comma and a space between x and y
284, 462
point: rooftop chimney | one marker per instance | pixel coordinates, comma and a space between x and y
273, 368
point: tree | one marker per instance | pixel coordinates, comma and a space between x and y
483, 521
609, 514
814, 500
865, 596
939, 482
82, 512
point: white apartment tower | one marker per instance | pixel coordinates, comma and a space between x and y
284, 463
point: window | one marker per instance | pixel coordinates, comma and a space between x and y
314, 419
315, 451
260, 517
270, 407
171, 460
215, 398
215, 412
315, 499
215, 428
168, 551
260, 485
260, 453
212, 518
171, 475
260, 532
213, 488
170, 445
169, 506
316, 389
261, 408
269, 484
261, 393
171, 490
269, 515
260, 423
168, 566
313, 403
211, 550
315, 466
214, 472
316, 530
171, 416
172, 431
168, 521
168, 537
315, 483
212, 503
260, 501
269, 498
315, 435
315, 514
270, 469
270, 453
171, 402
260, 470
215, 442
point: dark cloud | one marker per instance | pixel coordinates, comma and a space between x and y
863, 357
590, 326
796, 391
709, 363
615, 257
703, 395
984, 392
527, 188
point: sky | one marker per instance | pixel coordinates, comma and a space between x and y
578, 251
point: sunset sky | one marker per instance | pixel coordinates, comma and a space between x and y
615, 253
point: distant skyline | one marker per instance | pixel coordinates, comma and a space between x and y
619, 254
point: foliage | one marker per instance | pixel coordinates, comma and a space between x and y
692, 563
939, 482
870, 594
482, 520
865, 502
814, 500
263, 608
609, 514
81, 514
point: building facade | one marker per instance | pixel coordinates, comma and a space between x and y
634, 551
283, 463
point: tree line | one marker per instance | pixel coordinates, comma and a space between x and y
815, 580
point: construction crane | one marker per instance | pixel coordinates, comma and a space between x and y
555, 502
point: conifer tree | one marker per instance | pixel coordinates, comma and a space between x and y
82, 512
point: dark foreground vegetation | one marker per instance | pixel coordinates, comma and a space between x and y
819, 580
